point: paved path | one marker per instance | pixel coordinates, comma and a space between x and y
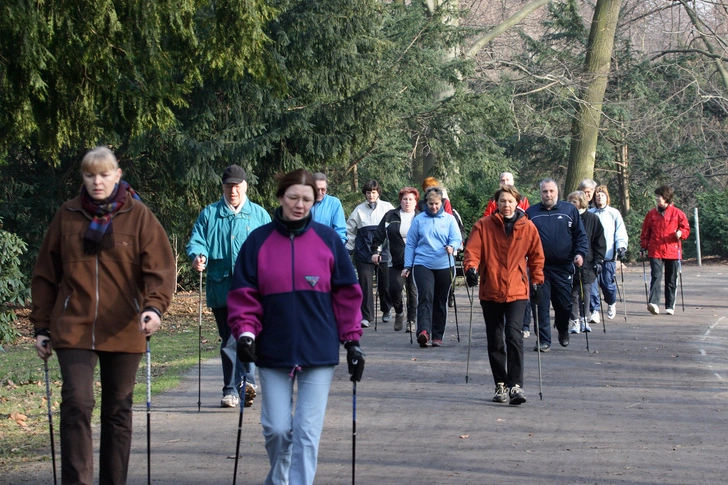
648, 404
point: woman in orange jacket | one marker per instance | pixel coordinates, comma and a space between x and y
501, 247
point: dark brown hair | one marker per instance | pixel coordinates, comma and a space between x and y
509, 189
666, 192
300, 176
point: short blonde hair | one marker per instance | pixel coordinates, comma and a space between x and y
580, 197
99, 159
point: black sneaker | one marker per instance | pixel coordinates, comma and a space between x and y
501, 393
543, 347
516, 396
564, 339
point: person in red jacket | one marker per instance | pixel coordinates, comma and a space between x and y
504, 248
506, 178
662, 231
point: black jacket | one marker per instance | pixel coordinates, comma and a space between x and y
388, 230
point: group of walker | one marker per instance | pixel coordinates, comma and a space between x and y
105, 276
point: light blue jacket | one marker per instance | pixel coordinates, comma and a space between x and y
329, 212
615, 231
218, 234
426, 240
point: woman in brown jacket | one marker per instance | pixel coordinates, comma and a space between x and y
103, 278
500, 248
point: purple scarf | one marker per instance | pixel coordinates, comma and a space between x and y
100, 232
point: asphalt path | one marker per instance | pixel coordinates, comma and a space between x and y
647, 404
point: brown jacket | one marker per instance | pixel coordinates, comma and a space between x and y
94, 302
501, 260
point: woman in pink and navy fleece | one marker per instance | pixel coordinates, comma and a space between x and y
294, 299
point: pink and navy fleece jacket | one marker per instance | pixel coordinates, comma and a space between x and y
297, 294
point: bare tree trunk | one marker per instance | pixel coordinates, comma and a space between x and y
623, 178
585, 127
698, 24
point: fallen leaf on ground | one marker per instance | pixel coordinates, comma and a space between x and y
464, 436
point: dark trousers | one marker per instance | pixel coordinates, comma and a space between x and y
503, 324
556, 288
581, 294
433, 287
366, 281
396, 284
671, 270
118, 372
232, 368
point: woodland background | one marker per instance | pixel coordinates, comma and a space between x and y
632, 93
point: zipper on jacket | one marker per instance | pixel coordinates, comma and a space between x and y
96, 307
293, 292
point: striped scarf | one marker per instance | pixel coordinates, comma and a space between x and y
100, 232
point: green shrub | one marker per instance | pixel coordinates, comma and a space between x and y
713, 214
13, 289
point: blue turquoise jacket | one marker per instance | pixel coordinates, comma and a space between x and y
218, 235
330, 212
427, 237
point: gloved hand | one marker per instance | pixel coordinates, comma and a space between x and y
355, 359
598, 268
471, 277
643, 253
246, 349
536, 294
621, 253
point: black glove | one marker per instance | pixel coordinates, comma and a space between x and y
471, 277
643, 253
598, 268
246, 349
621, 253
536, 294
355, 359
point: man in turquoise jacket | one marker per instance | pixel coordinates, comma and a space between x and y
217, 236
327, 209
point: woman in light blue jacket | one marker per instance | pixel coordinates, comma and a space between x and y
429, 256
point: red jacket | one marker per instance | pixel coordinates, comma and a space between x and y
493, 205
658, 232
501, 260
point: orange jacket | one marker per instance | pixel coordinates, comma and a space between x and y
502, 260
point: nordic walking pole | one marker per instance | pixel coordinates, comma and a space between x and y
149, 409
454, 300
537, 328
622, 295
240, 425
601, 309
50, 414
471, 297
584, 304
376, 295
199, 352
644, 278
679, 273
353, 433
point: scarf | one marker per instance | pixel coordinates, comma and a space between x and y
100, 233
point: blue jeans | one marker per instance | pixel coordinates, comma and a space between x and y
231, 366
292, 439
607, 284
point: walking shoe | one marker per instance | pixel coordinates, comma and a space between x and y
586, 328
387, 316
526, 333
398, 321
564, 339
543, 347
229, 401
516, 396
365, 323
411, 327
249, 394
436, 342
611, 311
451, 300
422, 338
670, 311
574, 326
501, 393
594, 317
652, 308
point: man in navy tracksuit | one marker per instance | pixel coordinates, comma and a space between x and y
565, 244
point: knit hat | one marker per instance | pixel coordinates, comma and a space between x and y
233, 175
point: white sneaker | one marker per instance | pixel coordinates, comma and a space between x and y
611, 311
670, 311
594, 318
574, 326
365, 323
526, 333
654, 309
229, 401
